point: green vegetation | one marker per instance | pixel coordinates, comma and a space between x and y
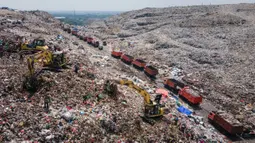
81, 18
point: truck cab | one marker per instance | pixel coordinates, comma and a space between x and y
211, 116
116, 54
89, 40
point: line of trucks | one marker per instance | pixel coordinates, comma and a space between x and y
88, 39
178, 87
185, 92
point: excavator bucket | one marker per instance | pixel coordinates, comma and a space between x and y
32, 83
111, 88
148, 120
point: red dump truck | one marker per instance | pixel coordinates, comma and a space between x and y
150, 71
95, 43
75, 32
139, 64
85, 38
173, 84
127, 58
191, 95
89, 40
116, 54
92, 41
226, 122
183, 91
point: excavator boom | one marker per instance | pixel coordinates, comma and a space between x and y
152, 109
141, 91
44, 58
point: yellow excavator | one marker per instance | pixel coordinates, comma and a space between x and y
152, 109
50, 60
37, 45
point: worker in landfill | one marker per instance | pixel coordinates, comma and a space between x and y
46, 102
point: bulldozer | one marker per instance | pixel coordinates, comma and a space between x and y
152, 109
37, 45
48, 60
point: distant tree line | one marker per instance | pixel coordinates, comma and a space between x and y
80, 19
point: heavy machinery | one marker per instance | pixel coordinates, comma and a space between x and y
100, 47
104, 43
150, 71
95, 43
152, 109
226, 122
92, 42
191, 95
183, 91
48, 59
139, 64
116, 54
89, 40
127, 58
37, 45
75, 32
68, 30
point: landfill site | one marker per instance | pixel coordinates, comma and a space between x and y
155, 75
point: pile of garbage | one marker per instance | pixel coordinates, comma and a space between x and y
73, 106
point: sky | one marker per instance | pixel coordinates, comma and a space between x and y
106, 5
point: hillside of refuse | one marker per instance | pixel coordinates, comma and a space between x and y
209, 48
213, 45
79, 109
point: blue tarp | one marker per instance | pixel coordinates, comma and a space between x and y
184, 110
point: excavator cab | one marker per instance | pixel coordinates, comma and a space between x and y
153, 111
39, 42
37, 45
